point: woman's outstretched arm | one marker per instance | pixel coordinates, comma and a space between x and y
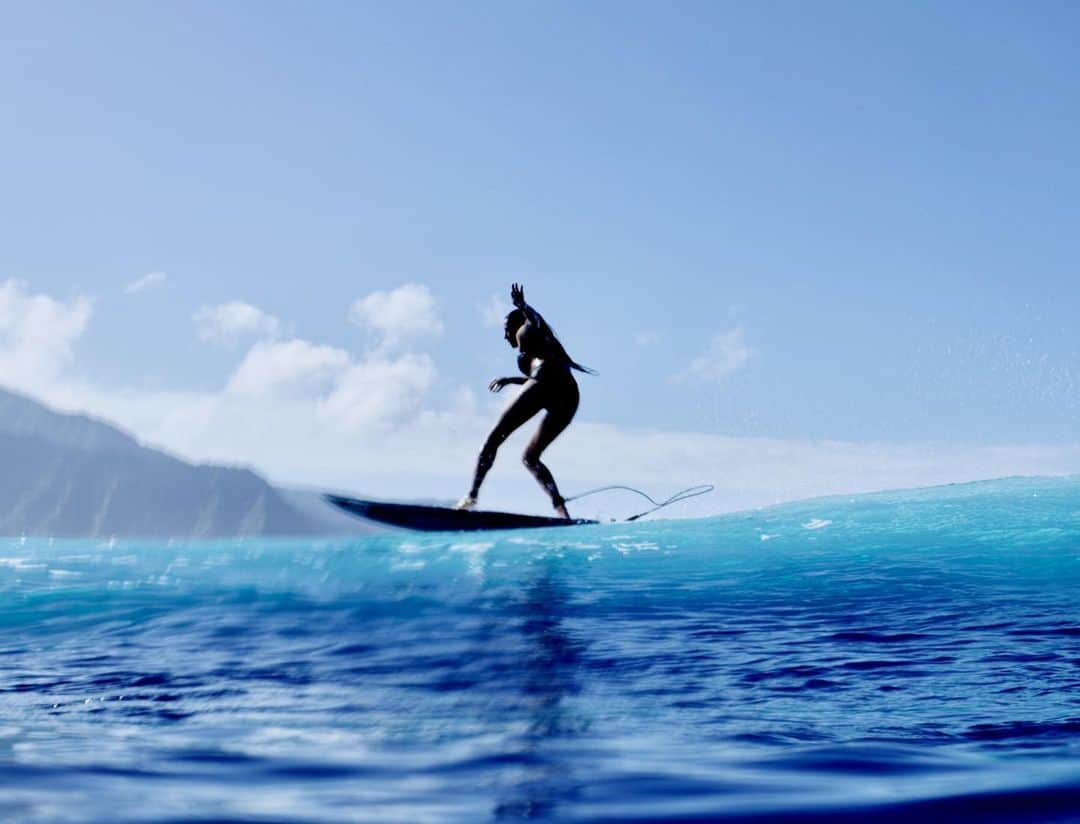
499, 383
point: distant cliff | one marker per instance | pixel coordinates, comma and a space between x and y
69, 475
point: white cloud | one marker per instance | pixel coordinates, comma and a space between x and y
287, 369
751, 472
398, 316
727, 352
146, 282
228, 322
380, 392
37, 333
494, 312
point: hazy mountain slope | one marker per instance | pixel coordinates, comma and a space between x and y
22, 416
70, 475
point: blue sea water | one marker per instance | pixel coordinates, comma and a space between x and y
892, 657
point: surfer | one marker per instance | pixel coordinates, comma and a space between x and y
549, 387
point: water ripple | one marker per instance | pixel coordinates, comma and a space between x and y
917, 657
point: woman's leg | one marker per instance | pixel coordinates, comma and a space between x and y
556, 419
525, 405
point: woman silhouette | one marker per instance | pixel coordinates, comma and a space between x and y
549, 387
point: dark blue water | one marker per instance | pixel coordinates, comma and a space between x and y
895, 657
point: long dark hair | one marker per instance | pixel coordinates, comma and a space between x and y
517, 318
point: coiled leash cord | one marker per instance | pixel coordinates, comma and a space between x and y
684, 495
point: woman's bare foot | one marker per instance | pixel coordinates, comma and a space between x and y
561, 510
468, 502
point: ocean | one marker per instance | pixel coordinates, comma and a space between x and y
908, 656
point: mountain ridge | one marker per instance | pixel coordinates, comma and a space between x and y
72, 475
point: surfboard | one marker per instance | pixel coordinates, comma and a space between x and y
444, 519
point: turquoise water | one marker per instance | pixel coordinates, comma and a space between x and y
903, 656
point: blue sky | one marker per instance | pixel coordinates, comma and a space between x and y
874, 203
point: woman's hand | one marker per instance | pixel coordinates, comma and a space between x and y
497, 384
517, 295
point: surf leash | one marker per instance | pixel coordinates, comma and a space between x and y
683, 495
